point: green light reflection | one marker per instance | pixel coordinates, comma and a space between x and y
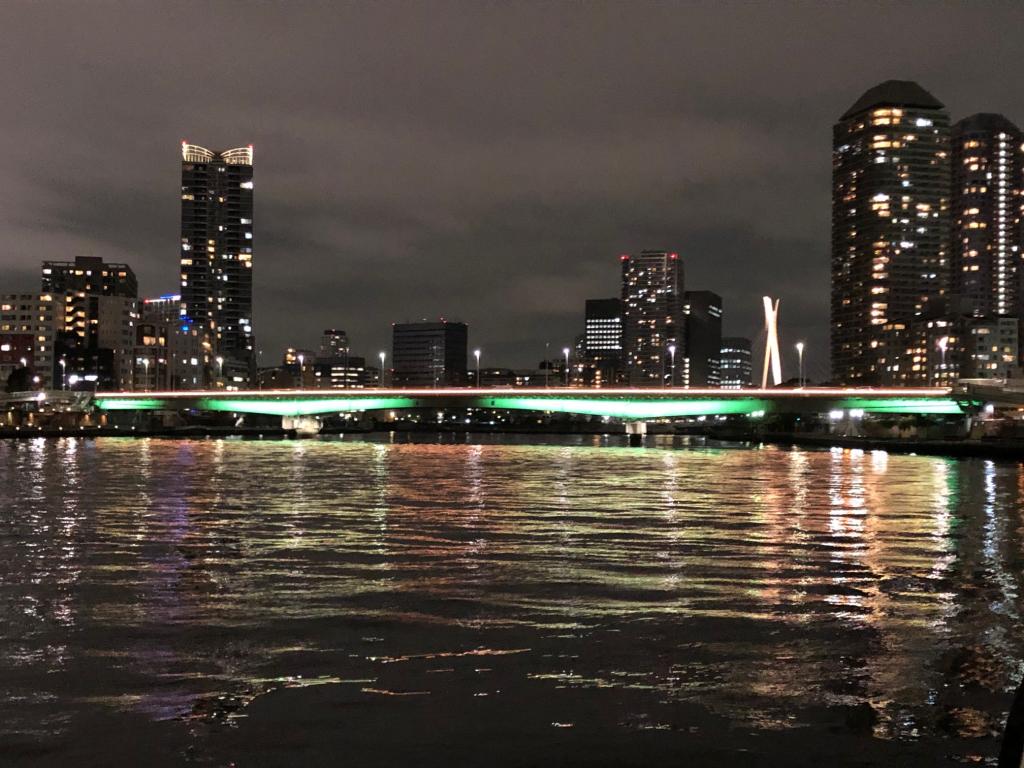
630, 409
131, 404
303, 406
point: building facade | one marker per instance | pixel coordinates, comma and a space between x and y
653, 315
602, 343
737, 368
986, 216
702, 348
334, 343
429, 354
344, 372
939, 351
90, 275
890, 226
29, 327
216, 260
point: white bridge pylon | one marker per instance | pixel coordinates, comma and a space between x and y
771, 347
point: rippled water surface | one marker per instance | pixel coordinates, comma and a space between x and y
574, 602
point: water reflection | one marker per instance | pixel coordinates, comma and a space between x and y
690, 591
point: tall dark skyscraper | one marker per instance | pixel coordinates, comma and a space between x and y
986, 216
216, 258
429, 354
890, 225
701, 352
653, 317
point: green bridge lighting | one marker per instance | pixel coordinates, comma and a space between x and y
619, 404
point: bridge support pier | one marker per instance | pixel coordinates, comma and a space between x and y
636, 430
304, 426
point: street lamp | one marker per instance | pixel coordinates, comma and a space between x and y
63, 373
943, 345
24, 363
672, 354
476, 354
301, 378
382, 355
145, 367
547, 362
800, 364
565, 351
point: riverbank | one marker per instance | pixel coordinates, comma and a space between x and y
984, 448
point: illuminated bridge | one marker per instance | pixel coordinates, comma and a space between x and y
625, 404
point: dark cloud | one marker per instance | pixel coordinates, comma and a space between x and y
476, 160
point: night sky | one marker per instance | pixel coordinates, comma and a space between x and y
478, 161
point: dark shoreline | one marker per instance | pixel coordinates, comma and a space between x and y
984, 448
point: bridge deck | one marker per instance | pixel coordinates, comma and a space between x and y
617, 403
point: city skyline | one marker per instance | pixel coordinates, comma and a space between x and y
734, 175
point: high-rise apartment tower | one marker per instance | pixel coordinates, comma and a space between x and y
216, 258
890, 226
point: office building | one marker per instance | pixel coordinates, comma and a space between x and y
736, 369
939, 351
90, 275
112, 340
95, 340
602, 343
333, 343
890, 226
986, 216
703, 341
344, 372
29, 324
652, 314
429, 354
151, 357
297, 355
494, 378
167, 352
216, 259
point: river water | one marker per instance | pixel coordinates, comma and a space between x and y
447, 601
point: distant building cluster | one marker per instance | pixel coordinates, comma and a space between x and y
88, 329
656, 334
927, 287
926, 242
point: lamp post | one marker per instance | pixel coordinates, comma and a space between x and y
476, 354
220, 370
63, 373
547, 362
672, 355
565, 351
145, 368
800, 363
301, 378
381, 355
943, 345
